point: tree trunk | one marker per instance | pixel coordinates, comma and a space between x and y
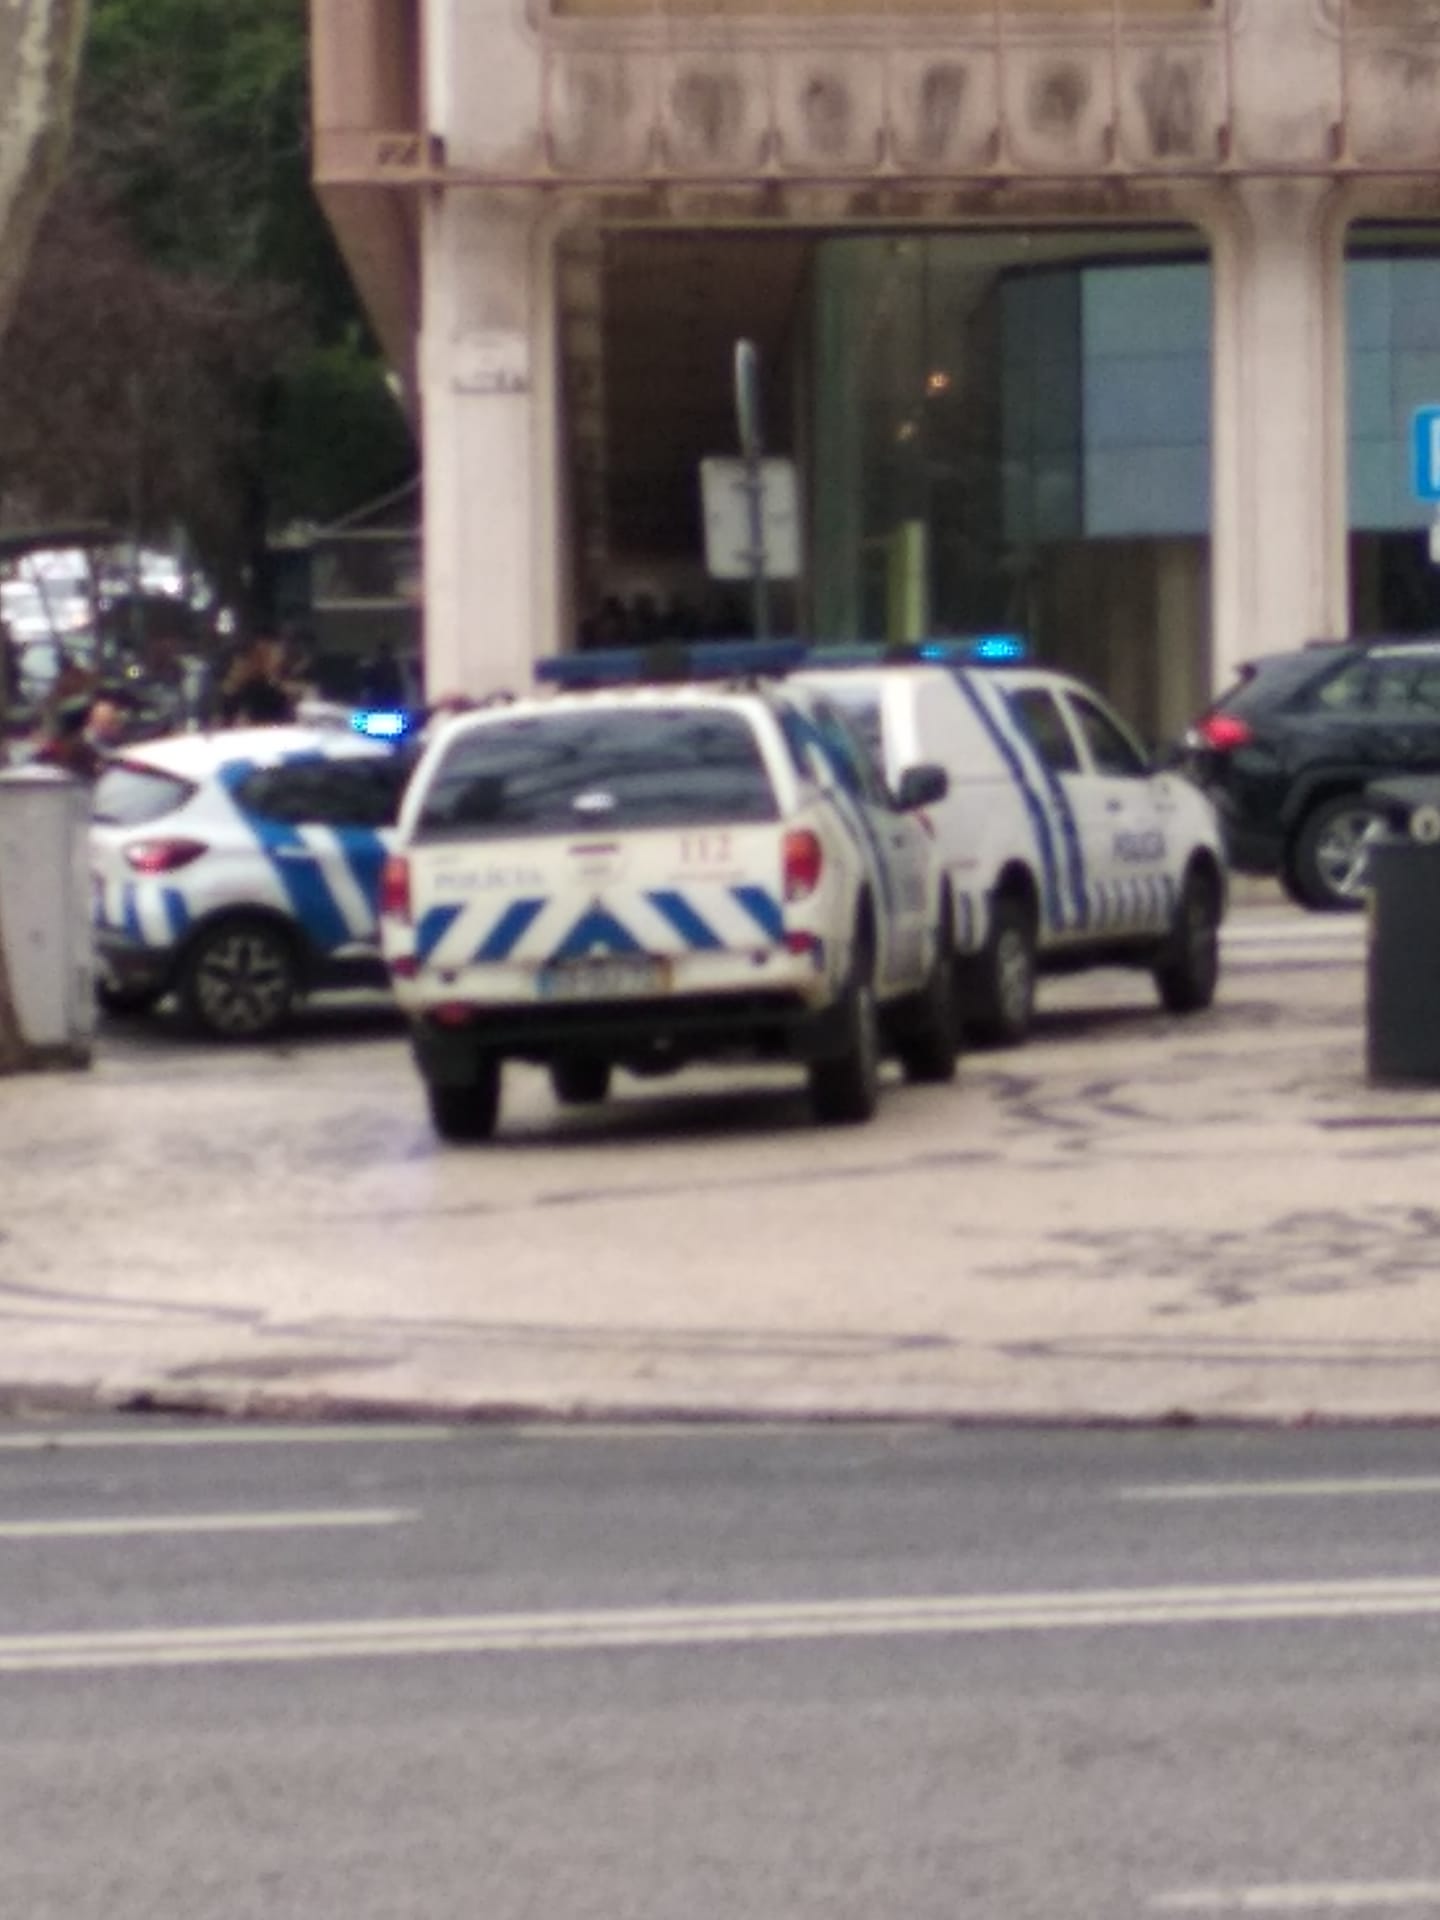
40, 43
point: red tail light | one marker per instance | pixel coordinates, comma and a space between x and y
1224, 732
395, 888
802, 862
163, 856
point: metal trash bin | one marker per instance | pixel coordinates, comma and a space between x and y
45, 913
1403, 965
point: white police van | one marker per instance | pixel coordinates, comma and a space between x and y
240, 869
1062, 846
646, 875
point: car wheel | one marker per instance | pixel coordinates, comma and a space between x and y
845, 1088
239, 980
929, 1030
126, 1003
579, 1080
467, 1112
1188, 971
1327, 861
999, 983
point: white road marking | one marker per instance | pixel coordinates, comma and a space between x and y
1282, 1489
1326, 1897
68, 1438
106, 1527
653, 1628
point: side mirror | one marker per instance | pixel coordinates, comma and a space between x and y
921, 787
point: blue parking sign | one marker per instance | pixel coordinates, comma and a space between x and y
1425, 443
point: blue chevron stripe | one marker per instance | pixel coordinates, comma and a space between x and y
597, 931
764, 909
509, 930
691, 927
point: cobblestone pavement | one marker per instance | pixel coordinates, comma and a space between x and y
1133, 1217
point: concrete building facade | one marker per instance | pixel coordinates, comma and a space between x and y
1105, 319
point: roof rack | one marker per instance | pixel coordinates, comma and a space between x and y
685, 662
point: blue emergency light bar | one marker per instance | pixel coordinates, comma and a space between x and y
957, 650
381, 723
676, 662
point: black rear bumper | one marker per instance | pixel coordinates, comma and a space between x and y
692, 1027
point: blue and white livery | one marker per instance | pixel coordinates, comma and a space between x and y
238, 869
642, 877
1063, 847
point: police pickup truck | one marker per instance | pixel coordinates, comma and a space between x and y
641, 876
1062, 846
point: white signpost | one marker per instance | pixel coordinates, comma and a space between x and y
726, 494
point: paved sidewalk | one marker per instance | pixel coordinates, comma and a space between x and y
1134, 1217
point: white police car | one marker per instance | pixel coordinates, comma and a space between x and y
1063, 847
240, 869
643, 876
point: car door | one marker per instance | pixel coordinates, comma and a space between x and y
1118, 805
897, 843
1403, 712
324, 824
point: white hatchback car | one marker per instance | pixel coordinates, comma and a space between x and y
240, 869
1064, 847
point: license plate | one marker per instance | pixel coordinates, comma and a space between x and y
604, 979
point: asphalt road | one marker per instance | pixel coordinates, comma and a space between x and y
786, 1672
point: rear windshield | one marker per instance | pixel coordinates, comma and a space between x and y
129, 795
613, 768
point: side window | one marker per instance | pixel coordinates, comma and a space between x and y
1111, 748
1041, 721
1406, 687
1348, 691
847, 757
325, 793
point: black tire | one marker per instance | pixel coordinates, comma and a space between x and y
928, 1036
845, 1087
126, 1003
1188, 970
1325, 867
240, 980
467, 1113
998, 985
579, 1080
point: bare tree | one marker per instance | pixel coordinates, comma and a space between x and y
40, 42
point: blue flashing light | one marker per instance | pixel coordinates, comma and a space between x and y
995, 648
673, 662
381, 723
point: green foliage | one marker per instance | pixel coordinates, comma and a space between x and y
336, 435
218, 371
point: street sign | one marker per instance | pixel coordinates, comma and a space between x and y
1425, 445
725, 489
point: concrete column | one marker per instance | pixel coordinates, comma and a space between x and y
491, 410
1279, 411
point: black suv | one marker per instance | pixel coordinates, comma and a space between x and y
1287, 752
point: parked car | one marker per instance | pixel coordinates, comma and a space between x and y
1063, 846
239, 870
1287, 752
644, 876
